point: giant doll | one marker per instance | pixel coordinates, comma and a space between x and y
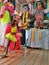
6, 10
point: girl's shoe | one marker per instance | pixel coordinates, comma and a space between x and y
4, 56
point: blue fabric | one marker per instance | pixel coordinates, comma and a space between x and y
22, 38
39, 43
48, 15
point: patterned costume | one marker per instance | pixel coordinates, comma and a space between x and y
5, 11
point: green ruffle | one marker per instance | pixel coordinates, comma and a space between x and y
6, 17
10, 37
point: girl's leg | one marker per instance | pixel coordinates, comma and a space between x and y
7, 47
4, 56
14, 45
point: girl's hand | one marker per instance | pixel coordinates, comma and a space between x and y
20, 34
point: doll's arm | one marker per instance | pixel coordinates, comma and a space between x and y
10, 7
2, 11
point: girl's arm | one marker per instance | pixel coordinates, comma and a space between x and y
8, 29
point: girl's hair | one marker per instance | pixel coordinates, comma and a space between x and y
2, 1
40, 3
13, 22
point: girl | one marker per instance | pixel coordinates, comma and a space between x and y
11, 35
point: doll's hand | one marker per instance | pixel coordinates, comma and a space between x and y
28, 20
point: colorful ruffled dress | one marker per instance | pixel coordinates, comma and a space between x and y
13, 37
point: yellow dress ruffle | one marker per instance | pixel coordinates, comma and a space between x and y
13, 30
11, 37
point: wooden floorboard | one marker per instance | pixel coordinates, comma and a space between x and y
26, 57
38, 59
45, 58
48, 57
20, 58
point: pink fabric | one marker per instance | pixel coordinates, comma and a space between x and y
2, 11
18, 45
1, 16
8, 29
10, 8
5, 1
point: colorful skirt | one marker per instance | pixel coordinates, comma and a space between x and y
18, 43
11, 37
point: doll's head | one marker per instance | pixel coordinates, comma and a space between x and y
39, 5
25, 8
38, 20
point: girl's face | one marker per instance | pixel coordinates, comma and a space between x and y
15, 23
17, 18
1, 0
39, 6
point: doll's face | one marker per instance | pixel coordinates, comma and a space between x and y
1, 0
24, 9
39, 6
